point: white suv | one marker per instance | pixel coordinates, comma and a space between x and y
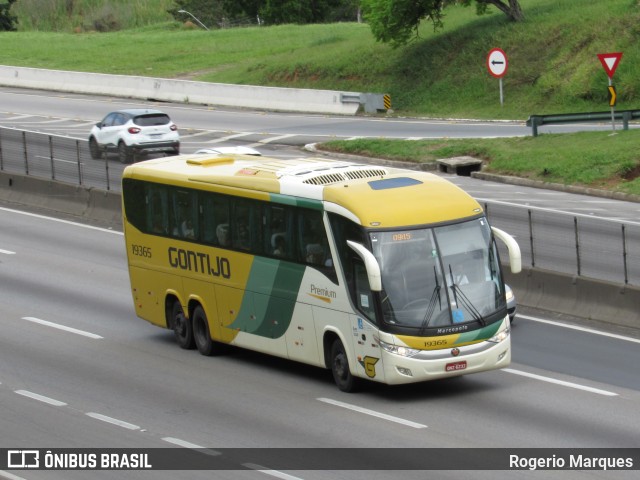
132, 132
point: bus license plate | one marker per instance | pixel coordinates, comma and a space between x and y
452, 367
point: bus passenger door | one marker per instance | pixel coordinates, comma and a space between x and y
367, 349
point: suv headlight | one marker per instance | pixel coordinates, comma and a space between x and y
500, 336
397, 350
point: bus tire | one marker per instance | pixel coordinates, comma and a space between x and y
340, 368
182, 327
201, 333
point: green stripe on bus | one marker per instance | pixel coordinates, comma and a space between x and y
482, 334
296, 201
270, 298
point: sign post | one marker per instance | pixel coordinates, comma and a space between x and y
610, 62
497, 64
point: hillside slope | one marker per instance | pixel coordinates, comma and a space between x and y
553, 64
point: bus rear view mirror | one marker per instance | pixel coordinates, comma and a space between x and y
515, 259
370, 263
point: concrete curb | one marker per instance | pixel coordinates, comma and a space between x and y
525, 182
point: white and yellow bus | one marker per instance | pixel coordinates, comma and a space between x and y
376, 273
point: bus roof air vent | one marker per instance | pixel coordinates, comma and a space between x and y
344, 174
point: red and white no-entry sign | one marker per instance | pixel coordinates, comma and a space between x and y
497, 62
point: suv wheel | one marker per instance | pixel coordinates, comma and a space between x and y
124, 153
94, 149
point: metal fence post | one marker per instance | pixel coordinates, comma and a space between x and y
79, 166
624, 255
53, 167
24, 148
106, 167
1, 160
533, 258
575, 226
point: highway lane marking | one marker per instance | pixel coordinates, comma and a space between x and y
581, 329
10, 476
267, 471
41, 398
59, 220
113, 421
7, 252
230, 137
373, 413
554, 210
274, 139
577, 386
62, 327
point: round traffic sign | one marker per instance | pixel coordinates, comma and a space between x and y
497, 63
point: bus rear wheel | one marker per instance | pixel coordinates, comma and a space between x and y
201, 333
340, 368
182, 327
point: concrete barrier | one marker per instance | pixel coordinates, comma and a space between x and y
577, 296
182, 91
85, 203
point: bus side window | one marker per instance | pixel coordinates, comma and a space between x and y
157, 210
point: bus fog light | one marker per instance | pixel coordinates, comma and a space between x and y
501, 356
404, 371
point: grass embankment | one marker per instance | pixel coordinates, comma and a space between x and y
553, 68
594, 159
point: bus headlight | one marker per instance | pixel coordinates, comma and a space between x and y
398, 350
500, 336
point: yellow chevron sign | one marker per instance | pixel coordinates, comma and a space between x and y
612, 95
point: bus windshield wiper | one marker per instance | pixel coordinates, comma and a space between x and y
464, 300
432, 302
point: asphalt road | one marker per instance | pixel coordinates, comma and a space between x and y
553, 214
78, 369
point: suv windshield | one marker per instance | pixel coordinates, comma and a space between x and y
440, 276
151, 119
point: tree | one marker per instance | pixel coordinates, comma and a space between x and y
7, 21
397, 21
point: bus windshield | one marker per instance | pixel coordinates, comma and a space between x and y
441, 276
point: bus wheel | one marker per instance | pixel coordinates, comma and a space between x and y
182, 328
340, 368
201, 334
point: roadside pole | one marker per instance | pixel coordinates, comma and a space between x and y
610, 62
497, 65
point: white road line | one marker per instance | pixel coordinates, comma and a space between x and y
554, 210
230, 137
577, 386
181, 443
192, 446
62, 327
273, 473
10, 476
41, 398
7, 252
67, 222
373, 413
581, 329
113, 421
273, 139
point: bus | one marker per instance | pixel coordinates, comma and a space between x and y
372, 272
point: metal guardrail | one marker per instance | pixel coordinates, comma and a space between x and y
535, 121
570, 244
